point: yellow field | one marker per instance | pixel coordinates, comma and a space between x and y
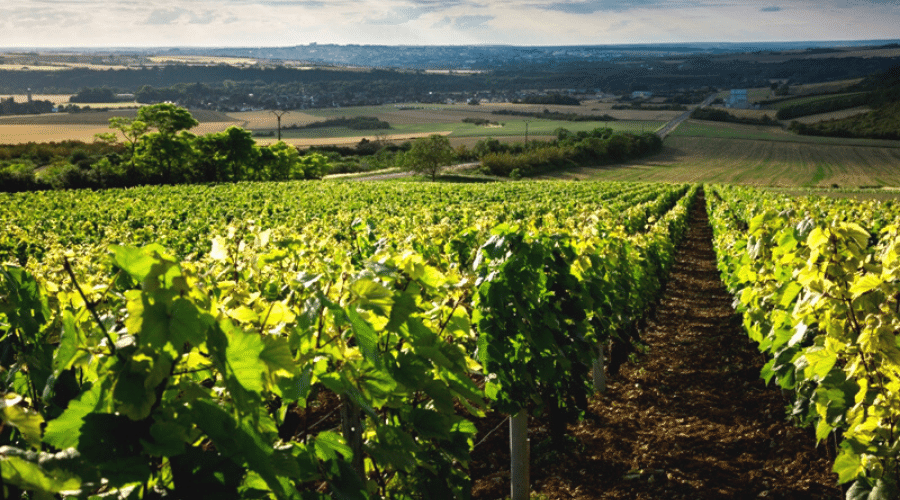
236, 61
99, 118
257, 120
54, 98
756, 162
21, 134
59, 99
58, 127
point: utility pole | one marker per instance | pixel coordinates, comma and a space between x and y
279, 114
526, 132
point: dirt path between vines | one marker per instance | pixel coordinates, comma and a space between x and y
691, 419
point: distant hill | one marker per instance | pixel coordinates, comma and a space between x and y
883, 122
487, 57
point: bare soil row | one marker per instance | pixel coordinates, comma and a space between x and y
691, 418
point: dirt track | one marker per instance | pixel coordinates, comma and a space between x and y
691, 419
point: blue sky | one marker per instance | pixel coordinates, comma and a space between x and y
127, 23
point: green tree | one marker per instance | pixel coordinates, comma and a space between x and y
131, 129
165, 158
230, 155
168, 152
429, 155
314, 166
168, 119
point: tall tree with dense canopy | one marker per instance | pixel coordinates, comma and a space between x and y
429, 155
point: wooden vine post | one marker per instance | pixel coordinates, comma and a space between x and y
351, 427
599, 371
519, 474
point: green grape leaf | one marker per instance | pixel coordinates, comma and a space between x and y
133, 398
31, 476
330, 446
168, 439
135, 261
237, 441
865, 284
70, 339
848, 466
65, 430
277, 355
186, 323
372, 296
28, 422
366, 337
242, 355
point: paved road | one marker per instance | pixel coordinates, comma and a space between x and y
663, 132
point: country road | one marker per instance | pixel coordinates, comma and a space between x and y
663, 132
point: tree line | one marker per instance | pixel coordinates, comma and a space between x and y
569, 149
156, 147
9, 106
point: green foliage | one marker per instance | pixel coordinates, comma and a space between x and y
353, 123
429, 155
133, 369
559, 99
882, 123
598, 146
93, 95
815, 280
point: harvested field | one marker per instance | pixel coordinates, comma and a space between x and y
99, 118
54, 98
20, 134
264, 120
757, 162
723, 130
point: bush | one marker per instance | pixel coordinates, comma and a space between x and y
19, 177
595, 147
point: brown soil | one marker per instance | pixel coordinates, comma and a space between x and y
691, 419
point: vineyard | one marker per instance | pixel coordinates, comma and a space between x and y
196, 341
817, 282
348, 340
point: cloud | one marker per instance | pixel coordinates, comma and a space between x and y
412, 11
472, 22
773, 8
312, 4
160, 17
582, 7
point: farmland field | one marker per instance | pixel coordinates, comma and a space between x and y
834, 115
758, 162
811, 99
722, 130
407, 121
418, 120
58, 127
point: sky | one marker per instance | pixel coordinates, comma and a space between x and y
248, 23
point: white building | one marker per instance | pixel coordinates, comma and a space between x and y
737, 99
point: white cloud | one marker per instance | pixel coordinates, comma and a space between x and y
35, 23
